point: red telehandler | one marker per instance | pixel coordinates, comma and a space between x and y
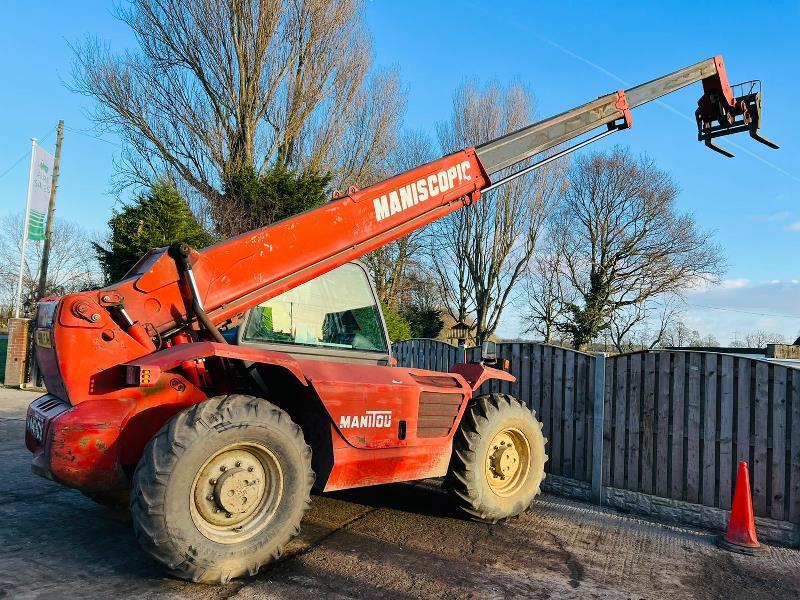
217, 387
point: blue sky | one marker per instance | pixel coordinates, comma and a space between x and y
566, 52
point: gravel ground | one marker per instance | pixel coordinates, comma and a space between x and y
398, 541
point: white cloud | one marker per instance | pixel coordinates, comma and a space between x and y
730, 310
793, 227
733, 284
740, 305
776, 296
700, 286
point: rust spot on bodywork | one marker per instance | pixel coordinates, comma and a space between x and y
71, 428
58, 450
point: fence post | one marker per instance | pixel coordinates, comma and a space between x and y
599, 408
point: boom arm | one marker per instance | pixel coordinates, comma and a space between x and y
717, 104
215, 286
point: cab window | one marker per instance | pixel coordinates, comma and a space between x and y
335, 310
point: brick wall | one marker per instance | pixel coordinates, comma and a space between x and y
17, 356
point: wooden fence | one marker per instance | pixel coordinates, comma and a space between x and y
425, 354
675, 424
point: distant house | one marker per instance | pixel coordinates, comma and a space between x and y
446, 334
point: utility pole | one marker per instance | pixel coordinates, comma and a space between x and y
51, 209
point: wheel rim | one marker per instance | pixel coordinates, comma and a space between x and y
236, 492
508, 460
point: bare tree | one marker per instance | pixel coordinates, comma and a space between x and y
760, 339
644, 326
546, 294
421, 290
481, 252
678, 335
708, 341
447, 243
221, 86
392, 265
623, 240
72, 267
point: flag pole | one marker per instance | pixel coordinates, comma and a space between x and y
18, 303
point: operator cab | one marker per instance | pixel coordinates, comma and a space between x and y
334, 317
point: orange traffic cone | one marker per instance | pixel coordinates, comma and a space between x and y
741, 536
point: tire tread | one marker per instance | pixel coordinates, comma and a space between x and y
160, 457
464, 480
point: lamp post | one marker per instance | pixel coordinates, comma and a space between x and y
27, 307
459, 332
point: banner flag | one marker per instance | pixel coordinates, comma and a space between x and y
39, 185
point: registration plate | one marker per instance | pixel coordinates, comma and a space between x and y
41, 411
35, 426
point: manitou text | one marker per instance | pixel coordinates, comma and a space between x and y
372, 418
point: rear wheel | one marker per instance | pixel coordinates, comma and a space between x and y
497, 465
222, 488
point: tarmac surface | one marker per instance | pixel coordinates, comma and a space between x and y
397, 541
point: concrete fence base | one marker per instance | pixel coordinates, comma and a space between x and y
782, 533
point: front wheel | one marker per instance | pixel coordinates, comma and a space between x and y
497, 465
222, 488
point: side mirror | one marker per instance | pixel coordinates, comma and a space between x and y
489, 352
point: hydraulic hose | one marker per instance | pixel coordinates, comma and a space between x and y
179, 252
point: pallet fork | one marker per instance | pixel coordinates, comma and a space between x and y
734, 109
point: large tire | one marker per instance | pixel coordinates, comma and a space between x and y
497, 465
190, 508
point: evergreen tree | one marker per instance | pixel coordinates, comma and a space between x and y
396, 324
255, 200
155, 219
424, 323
